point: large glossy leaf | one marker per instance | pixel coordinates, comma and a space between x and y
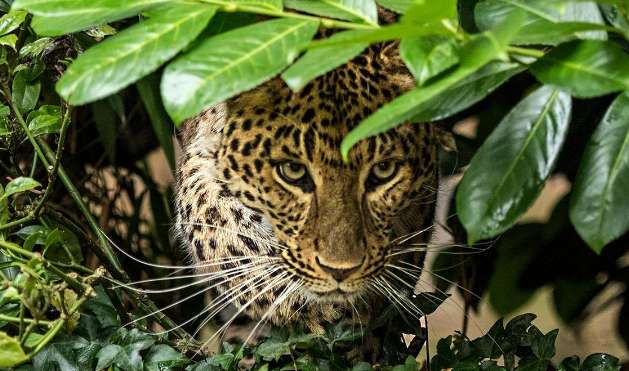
430, 12
586, 68
318, 61
212, 73
508, 171
354, 10
58, 17
428, 56
548, 22
475, 54
467, 92
133, 53
600, 195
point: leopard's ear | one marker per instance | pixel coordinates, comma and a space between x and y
445, 138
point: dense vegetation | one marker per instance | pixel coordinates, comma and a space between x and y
89, 88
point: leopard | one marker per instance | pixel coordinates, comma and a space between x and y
287, 230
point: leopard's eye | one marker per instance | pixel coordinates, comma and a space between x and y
291, 172
384, 171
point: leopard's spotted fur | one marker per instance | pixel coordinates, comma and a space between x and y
231, 202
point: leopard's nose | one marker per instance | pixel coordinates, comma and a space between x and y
338, 272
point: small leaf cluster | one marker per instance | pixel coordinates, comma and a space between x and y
519, 345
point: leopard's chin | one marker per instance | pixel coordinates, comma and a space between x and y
338, 295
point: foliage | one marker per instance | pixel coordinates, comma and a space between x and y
91, 87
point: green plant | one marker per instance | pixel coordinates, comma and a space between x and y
548, 80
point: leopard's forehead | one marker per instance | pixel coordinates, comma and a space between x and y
311, 123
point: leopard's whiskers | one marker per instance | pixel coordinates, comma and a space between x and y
203, 290
208, 263
228, 296
206, 278
288, 290
280, 280
211, 304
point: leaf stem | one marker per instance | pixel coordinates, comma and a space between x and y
25, 320
525, 51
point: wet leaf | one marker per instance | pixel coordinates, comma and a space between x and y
19, 185
599, 197
585, 69
513, 164
211, 73
113, 64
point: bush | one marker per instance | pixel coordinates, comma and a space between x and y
91, 87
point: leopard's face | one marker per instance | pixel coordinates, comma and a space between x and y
272, 172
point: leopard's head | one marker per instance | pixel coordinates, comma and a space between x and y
262, 175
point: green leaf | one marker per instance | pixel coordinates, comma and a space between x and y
267, 4
585, 68
475, 54
599, 197
353, 10
106, 122
63, 302
506, 294
547, 22
543, 347
19, 185
25, 93
532, 364
4, 120
465, 12
45, 120
133, 53
430, 12
272, 349
162, 357
11, 21
569, 364
398, 6
211, 73
510, 168
108, 355
162, 126
62, 246
600, 362
56, 356
8, 40
467, 92
36, 48
428, 56
58, 17
11, 353
362, 366
617, 16
318, 61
